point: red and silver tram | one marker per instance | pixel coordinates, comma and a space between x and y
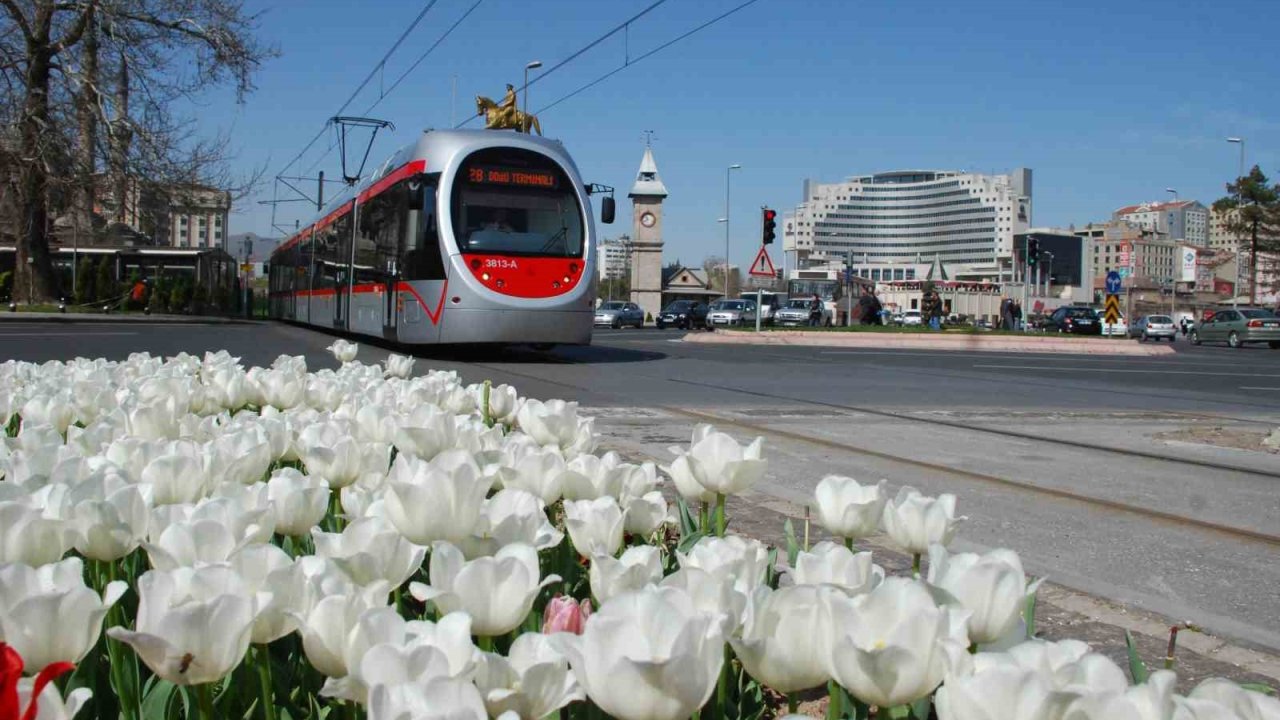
466, 236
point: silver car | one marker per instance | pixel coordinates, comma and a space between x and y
615, 314
1154, 327
725, 313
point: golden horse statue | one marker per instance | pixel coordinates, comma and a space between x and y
498, 117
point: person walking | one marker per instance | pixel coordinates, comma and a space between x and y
1006, 313
1017, 315
815, 311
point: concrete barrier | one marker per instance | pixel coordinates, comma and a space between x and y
966, 342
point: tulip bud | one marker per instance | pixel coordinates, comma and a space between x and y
564, 614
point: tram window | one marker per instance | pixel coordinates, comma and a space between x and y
516, 202
422, 259
333, 253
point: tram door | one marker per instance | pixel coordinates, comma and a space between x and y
343, 228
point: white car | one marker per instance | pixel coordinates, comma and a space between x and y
912, 317
1119, 328
795, 313
725, 313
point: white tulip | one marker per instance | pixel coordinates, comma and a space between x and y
427, 432
327, 627
540, 472
283, 389
915, 521
504, 402
1246, 704
1069, 663
436, 699
157, 420
438, 500
498, 591
714, 595
330, 452
57, 410
838, 567
399, 366
176, 612
371, 549
50, 705
49, 615
556, 424
717, 463
298, 502
996, 689
638, 567
512, 516
588, 477
343, 350
377, 422
191, 544
784, 640
1151, 700
109, 525
645, 514
178, 478
743, 561
378, 626
27, 537
992, 587
533, 681
647, 655
893, 645
847, 509
595, 526
242, 456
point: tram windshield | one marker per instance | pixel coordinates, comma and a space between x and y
516, 202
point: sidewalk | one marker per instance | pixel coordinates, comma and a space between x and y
125, 318
962, 342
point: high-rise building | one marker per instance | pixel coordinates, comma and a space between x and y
1145, 258
197, 217
1221, 237
964, 220
1185, 220
615, 258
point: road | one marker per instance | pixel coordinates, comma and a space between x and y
1093, 468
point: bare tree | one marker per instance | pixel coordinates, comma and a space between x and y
153, 54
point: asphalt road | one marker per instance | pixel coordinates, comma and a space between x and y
1110, 507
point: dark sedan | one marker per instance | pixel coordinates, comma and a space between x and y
1074, 320
684, 314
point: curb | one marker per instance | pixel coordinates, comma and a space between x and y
925, 341
70, 318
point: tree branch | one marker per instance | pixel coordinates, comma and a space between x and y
19, 18
77, 31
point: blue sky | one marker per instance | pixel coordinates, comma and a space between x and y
1109, 103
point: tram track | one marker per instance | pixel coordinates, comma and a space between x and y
1029, 488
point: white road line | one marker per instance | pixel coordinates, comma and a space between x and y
1252, 387
1172, 360
1115, 370
63, 334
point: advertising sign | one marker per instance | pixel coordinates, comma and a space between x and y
1188, 264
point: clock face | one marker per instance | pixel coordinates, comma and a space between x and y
648, 219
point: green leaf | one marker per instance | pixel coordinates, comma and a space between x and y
689, 541
155, 703
793, 545
920, 708
1259, 688
688, 525
899, 712
771, 577
1137, 668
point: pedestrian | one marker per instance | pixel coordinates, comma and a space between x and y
877, 310
1017, 315
1006, 313
866, 307
935, 321
815, 311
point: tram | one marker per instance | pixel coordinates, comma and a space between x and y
465, 236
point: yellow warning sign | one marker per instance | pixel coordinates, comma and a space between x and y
1111, 314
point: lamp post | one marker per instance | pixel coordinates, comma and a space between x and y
1235, 291
727, 175
1048, 275
531, 66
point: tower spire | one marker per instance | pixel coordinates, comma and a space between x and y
648, 183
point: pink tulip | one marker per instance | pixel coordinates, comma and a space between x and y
564, 614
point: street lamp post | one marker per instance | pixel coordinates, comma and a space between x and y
1235, 291
727, 172
1048, 275
531, 66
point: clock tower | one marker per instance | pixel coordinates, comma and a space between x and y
646, 236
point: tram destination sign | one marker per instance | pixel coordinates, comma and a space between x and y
517, 177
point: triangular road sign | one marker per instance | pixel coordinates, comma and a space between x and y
762, 266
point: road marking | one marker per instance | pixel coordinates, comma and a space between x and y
66, 334
1166, 359
1252, 387
1117, 370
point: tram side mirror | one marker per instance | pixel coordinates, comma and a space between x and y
607, 210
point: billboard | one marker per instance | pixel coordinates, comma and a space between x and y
1188, 264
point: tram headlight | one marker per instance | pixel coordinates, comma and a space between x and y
485, 277
567, 280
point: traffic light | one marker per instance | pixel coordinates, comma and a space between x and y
1033, 251
767, 225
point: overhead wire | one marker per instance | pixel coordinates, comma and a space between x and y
652, 52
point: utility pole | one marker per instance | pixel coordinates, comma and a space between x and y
320, 193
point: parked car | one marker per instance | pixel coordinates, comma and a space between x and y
770, 303
795, 312
731, 312
1154, 327
911, 317
1239, 327
1075, 320
615, 314
684, 314
1119, 327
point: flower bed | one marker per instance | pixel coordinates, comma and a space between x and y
188, 538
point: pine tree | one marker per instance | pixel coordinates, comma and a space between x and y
104, 285
85, 281
1254, 217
